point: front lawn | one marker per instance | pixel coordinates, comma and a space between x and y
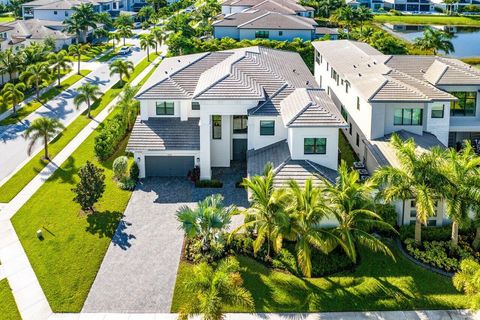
377, 283
8, 306
4, 19
428, 19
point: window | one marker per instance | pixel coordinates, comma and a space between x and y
165, 108
261, 34
195, 105
267, 127
408, 117
347, 86
240, 124
437, 111
413, 209
216, 127
327, 66
466, 104
66, 13
55, 12
358, 103
344, 112
280, 33
432, 223
357, 140
315, 145
350, 128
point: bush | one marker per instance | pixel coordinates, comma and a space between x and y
195, 254
127, 183
106, 143
434, 233
208, 183
91, 186
134, 171
120, 166
472, 61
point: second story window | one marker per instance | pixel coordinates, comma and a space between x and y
358, 103
195, 105
216, 127
165, 108
261, 34
344, 113
465, 106
240, 124
347, 86
267, 127
438, 111
315, 145
408, 117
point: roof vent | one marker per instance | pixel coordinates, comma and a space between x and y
166, 72
178, 60
374, 62
359, 74
369, 65
294, 70
355, 66
422, 71
307, 83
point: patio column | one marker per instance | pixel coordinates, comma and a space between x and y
205, 130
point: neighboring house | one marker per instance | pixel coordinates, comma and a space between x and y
454, 6
375, 5
281, 6
253, 104
434, 100
409, 5
261, 24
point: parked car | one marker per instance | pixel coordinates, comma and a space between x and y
137, 25
189, 9
124, 51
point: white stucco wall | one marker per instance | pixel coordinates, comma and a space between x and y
257, 141
224, 32
50, 14
288, 35
459, 128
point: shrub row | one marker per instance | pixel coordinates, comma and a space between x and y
110, 136
208, 183
433, 233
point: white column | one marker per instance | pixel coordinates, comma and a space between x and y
144, 110
184, 109
205, 130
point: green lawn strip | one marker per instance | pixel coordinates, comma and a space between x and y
20, 179
346, 152
377, 283
8, 306
47, 96
428, 19
6, 19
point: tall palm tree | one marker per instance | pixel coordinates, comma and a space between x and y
42, 128
87, 93
125, 31
115, 37
466, 280
123, 68
159, 36
129, 105
146, 42
325, 8
59, 62
207, 221
266, 213
123, 20
350, 202
346, 16
77, 50
462, 189
146, 12
34, 53
10, 62
84, 17
36, 75
417, 177
74, 26
364, 14
435, 40
13, 93
215, 288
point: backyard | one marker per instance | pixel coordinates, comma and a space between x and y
429, 19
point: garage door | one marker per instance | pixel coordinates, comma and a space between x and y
168, 166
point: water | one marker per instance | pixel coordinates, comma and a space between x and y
466, 40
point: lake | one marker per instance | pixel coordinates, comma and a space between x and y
466, 40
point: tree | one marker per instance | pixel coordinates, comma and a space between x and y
435, 40
129, 106
115, 37
36, 75
59, 62
101, 33
157, 4
83, 17
42, 128
146, 42
123, 68
207, 221
363, 14
146, 12
77, 50
120, 166
466, 280
266, 213
10, 62
417, 177
87, 93
74, 26
50, 43
13, 93
91, 186
125, 32
123, 20
159, 36
34, 53
350, 202
180, 23
346, 16
215, 288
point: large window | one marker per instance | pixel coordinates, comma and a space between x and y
240, 124
165, 108
466, 104
261, 34
216, 127
315, 146
438, 111
408, 117
195, 105
267, 127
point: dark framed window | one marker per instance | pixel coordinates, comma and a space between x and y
55, 12
344, 112
438, 111
267, 127
195, 105
240, 124
347, 86
408, 117
261, 34
358, 103
466, 106
216, 127
165, 108
357, 140
350, 128
280, 33
315, 145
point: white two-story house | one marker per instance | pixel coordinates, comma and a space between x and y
253, 104
433, 100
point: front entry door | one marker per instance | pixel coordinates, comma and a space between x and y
239, 149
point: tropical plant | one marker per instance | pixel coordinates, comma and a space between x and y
159, 36
146, 12
435, 40
59, 62
125, 31
74, 26
214, 289
467, 280
120, 166
157, 4
77, 50
363, 14
417, 177
87, 93
115, 37
123, 20
128, 106
146, 42
50, 43
34, 53
347, 17
101, 33
10, 62
83, 17
36, 75
324, 8
13, 94
123, 68
42, 128
91, 186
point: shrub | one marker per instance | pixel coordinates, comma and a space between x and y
194, 252
91, 186
442, 233
110, 136
208, 183
134, 171
120, 166
127, 183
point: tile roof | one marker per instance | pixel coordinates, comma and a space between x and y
290, 4
323, 30
60, 4
163, 134
36, 29
275, 20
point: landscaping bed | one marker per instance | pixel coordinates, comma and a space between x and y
8, 307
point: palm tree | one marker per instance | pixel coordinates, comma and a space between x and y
36, 75
124, 20
417, 177
58, 61
159, 36
466, 280
129, 105
74, 26
145, 12
364, 14
450, 6
125, 31
435, 40
87, 93
42, 128
115, 37
325, 8
123, 68
346, 16
77, 50
350, 202
265, 214
146, 42
215, 288
34, 53
101, 33
207, 221
13, 93
462, 189
83, 17
10, 62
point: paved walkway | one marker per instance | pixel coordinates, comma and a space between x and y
29, 296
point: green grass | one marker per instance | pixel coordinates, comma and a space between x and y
6, 19
7, 302
377, 283
20, 179
44, 98
346, 152
429, 19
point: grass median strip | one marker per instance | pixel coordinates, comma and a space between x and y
8, 306
19, 180
428, 19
